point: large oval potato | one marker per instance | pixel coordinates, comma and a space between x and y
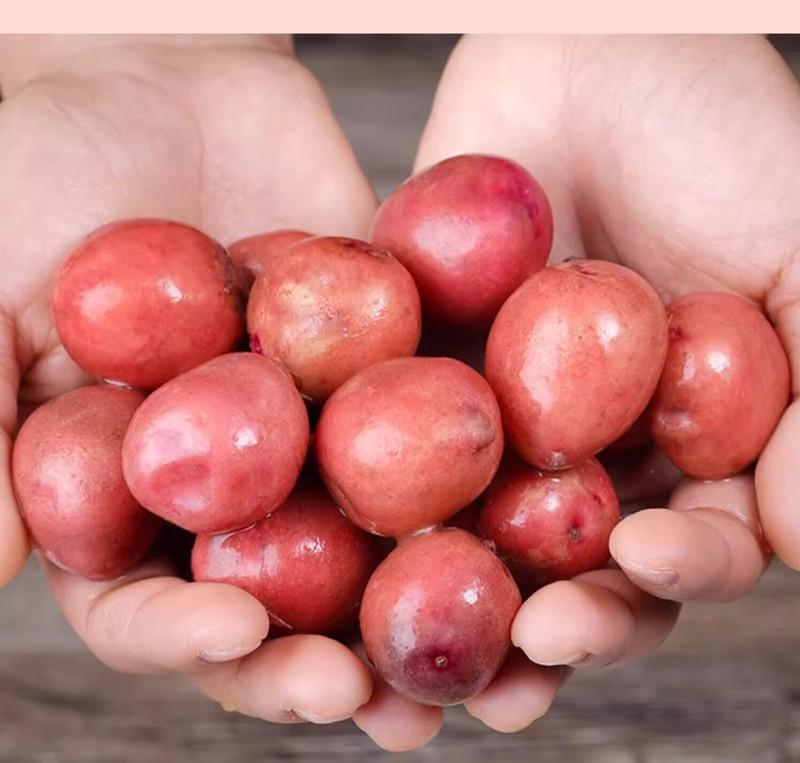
406, 443
67, 465
329, 307
219, 447
141, 301
724, 386
470, 229
574, 357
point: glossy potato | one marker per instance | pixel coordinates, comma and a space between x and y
141, 301
436, 617
470, 229
329, 307
67, 466
407, 443
549, 526
574, 357
724, 386
219, 447
306, 563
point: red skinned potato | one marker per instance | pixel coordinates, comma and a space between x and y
470, 229
436, 617
574, 357
407, 443
219, 447
306, 563
67, 465
549, 526
141, 301
724, 386
330, 306
254, 252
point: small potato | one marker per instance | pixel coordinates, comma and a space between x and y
141, 301
328, 307
219, 447
436, 617
67, 465
407, 443
724, 386
306, 563
574, 357
549, 526
470, 229
254, 252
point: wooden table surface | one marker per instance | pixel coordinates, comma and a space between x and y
725, 687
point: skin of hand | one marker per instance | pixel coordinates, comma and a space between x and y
675, 156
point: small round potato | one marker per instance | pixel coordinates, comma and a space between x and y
67, 464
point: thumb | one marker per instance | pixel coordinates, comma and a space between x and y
776, 477
13, 535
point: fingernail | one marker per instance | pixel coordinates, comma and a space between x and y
313, 717
665, 577
575, 659
225, 655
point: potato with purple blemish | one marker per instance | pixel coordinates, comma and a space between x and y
219, 447
470, 229
407, 443
329, 307
724, 386
549, 526
67, 466
141, 301
436, 617
574, 357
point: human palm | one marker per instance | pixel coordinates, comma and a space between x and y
674, 156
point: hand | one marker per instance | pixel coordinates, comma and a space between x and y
229, 134
675, 156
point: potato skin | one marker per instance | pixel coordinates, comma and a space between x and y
219, 447
407, 443
470, 229
549, 526
141, 301
67, 466
724, 387
306, 563
329, 307
574, 357
254, 252
436, 617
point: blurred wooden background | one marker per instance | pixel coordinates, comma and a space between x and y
724, 688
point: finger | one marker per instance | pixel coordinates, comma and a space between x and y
13, 534
392, 721
291, 680
520, 694
151, 622
599, 618
705, 547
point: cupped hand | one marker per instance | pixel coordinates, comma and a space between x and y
229, 134
674, 156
